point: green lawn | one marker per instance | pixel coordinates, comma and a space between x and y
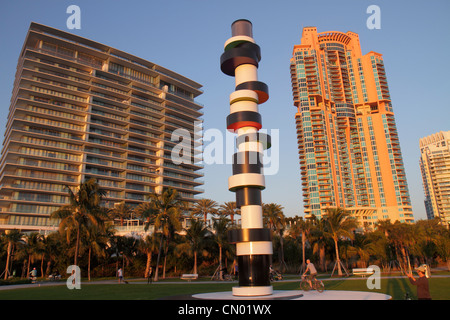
113, 291
396, 287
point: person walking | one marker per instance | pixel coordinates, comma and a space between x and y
423, 288
149, 276
120, 275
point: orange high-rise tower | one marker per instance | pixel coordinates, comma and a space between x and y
349, 149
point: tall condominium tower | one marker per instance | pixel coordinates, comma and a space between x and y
348, 144
435, 167
81, 109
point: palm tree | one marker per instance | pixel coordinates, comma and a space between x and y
96, 242
204, 206
149, 245
363, 248
147, 212
385, 227
339, 223
403, 237
220, 227
51, 249
275, 220
443, 247
380, 246
12, 238
83, 209
130, 247
33, 248
195, 240
167, 208
121, 211
301, 227
115, 248
318, 239
436, 240
229, 209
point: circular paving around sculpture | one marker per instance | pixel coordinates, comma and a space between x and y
298, 295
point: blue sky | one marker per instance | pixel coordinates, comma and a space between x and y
187, 36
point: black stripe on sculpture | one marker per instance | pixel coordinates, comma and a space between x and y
247, 162
259, 87
254, 270
248, 196
242, 27
248, 235
241, 119
244, 53
239, 168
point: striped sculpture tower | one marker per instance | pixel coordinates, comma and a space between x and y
253, 242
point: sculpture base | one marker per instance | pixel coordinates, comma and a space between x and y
228, 295
297, 295
252, 291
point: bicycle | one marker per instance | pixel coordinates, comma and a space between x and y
275, 275
316, 284
225, 276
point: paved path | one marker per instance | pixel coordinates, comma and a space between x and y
143, 281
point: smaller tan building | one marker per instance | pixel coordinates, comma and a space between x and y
435, 167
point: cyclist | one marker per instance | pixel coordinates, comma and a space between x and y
312, 271
33, 274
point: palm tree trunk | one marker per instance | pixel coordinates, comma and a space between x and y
164, 265
407, 259
195, 262
89, 264
220, 262
337, 257
303, 251
322, 258
23, 269
157, 259
282, 262
117, 261
149, 262
404, 257
28, 264
49, 263
76, 246
7, 260
165, 258
397, 250
42, 266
